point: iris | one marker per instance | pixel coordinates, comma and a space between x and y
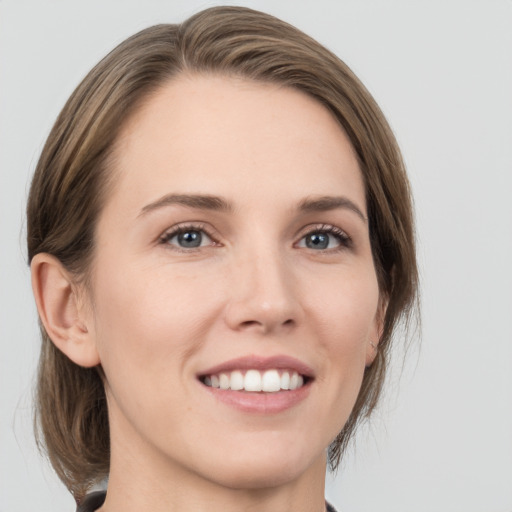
317, 241
190, 239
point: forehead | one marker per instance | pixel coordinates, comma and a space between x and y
229, 136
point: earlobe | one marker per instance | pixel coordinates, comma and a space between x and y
58, 306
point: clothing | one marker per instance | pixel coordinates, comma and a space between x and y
94, 500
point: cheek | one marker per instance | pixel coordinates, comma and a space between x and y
147, 329
345, 321
347, 309
150, 315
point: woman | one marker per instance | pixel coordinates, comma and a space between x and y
221, 243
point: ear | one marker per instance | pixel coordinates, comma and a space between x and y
376, 332
61, 311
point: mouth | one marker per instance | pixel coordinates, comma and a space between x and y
259, 385
253, 380
255, 374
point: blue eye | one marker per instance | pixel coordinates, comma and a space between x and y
328, 237
187, 238
318, 241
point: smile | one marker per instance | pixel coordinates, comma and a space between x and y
259, 385
252, 380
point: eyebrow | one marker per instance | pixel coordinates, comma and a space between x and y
201, 202
326, 203
215, 203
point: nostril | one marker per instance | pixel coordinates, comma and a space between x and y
257, 323
251, 313
249, 323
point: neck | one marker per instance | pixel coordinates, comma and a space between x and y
140, 480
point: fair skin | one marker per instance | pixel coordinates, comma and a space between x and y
270, 270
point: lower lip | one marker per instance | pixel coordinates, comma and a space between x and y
260, 403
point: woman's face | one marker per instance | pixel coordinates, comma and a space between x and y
233, 251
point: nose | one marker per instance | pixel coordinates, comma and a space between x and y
263, 296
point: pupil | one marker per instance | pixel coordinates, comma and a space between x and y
190, 239
317, 241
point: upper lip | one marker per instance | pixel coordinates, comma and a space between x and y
255, 362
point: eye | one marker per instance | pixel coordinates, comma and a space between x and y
325, 238
187, 237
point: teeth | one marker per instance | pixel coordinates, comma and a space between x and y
237, 381
294, 381
252, 381
269, 381
285, 380
224, 381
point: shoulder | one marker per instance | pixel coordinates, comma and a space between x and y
92, 501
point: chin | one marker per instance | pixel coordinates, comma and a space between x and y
265, 471
251, 477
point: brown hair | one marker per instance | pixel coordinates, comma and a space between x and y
71, 183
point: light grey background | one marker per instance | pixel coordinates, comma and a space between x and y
442, 72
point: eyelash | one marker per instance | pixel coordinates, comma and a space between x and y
185, 228
345, 242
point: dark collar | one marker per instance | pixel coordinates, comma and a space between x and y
92, 501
